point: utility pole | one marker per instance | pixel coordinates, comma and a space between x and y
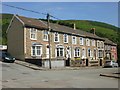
48, 24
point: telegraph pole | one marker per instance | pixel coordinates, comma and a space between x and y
48, 24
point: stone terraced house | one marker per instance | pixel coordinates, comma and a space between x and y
28, 41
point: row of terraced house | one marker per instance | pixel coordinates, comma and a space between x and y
28, 40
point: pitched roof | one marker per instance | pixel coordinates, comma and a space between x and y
32, 22
107, 41
65, 29
55, 27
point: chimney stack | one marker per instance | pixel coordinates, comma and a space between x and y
93, 30
74, 26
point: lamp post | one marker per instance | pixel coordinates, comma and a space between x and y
48, 25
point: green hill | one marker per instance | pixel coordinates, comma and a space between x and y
102, 29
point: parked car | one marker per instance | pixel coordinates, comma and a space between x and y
6, 57
110, 64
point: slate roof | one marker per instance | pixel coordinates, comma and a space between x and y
32, 22
55, 27
109, 42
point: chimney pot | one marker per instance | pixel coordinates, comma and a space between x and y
74, 26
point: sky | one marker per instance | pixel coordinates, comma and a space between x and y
96, 11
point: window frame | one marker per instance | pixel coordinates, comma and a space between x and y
58, 48
36, 50
77, 50
81, 41
44, 34
75, 40
35, 33
57, 36
65, 38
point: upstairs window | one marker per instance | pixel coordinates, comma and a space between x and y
102, 45
81, 41
73, 39
93, 42
87, 42
45, 35
98, 44
56, 37
33, 33
65, 38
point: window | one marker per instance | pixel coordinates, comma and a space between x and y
65, 38
81, 41
87, 42
73, 39
45, 35
93, 42
60, 51
100, 54
33, 33
36, 50
77, 52
89, 52
102, 45
56, 37
98, 43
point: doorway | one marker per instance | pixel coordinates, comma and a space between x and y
86, 62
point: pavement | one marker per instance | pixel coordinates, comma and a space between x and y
29, 65
35, 67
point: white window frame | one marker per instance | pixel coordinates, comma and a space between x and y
87, 42
45, 33
35, 33
89, 52
57, 36
36, 50
93, 42
78, 51
81, 41
65, 37
59, 51
75, 39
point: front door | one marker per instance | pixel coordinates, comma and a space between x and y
86, 62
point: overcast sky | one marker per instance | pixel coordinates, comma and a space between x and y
97, 11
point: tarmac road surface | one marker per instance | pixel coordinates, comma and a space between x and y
17, 76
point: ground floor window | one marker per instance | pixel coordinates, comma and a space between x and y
77, 52
89, 52
60, 51
100, 53
36, 50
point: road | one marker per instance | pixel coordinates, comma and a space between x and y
17, 76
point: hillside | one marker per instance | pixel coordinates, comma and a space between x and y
102, 29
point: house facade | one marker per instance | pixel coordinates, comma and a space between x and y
110, 50
28, 40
